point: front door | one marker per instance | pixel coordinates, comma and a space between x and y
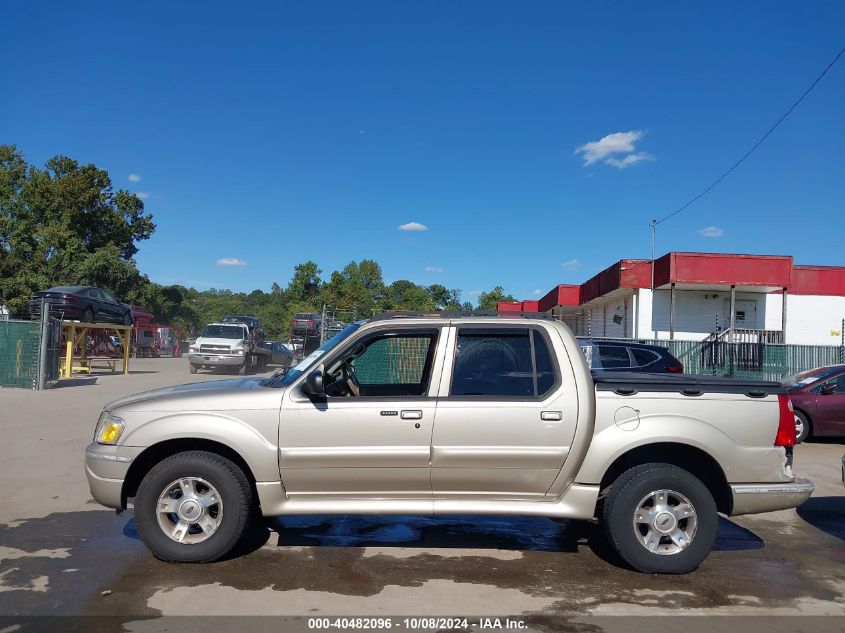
506, 416
370, 436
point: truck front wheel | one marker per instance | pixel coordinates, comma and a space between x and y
193, 507
660, 519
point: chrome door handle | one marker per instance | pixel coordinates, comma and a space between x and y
555, 416
411, 414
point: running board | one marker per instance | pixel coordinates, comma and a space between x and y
577, 502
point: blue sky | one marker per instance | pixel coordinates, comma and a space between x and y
272, 133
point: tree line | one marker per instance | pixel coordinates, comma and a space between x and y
64, 224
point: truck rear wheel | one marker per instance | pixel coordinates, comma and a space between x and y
193, 507
660, 519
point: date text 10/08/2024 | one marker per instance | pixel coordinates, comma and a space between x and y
416, 623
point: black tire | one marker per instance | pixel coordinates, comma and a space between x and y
88, 315
127, 318
623, 500
806, 432
193, 368
237, 504
241, 369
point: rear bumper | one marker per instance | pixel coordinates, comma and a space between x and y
754, 498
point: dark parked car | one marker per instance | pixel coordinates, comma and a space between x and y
617, 356
83, 303
306, 323
281, 354
818, 397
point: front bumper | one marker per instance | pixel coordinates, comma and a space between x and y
106, 467
216, 360
754, 498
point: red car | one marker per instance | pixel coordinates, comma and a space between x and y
818, 397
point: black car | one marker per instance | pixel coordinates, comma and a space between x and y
624, 356
82, 303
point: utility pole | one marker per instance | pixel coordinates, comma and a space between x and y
653, 226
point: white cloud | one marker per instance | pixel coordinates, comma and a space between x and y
630, 159
617, 149
433, 269
571, 264
475, 293
413, 226
711, 231
231, 261
134, 177
143, 195
538, 292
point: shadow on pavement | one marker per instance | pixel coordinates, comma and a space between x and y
74, 382
825, 513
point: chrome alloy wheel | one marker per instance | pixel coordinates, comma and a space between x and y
799, 426
189, 510
665, 522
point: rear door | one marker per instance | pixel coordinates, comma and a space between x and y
505, 415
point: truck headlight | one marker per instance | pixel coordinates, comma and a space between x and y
195, 349
109, 428
238, 351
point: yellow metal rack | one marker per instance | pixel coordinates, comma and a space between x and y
76, 333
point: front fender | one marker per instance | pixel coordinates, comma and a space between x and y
260, 454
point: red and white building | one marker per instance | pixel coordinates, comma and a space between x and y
698, 295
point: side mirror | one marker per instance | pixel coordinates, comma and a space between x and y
828, 388
314, 383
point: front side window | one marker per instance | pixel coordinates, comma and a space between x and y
392, 363
510, 362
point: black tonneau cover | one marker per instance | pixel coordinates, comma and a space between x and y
629, 383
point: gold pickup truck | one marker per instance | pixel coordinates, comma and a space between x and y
440, 415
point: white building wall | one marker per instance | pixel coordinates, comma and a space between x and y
814, 319
811, 319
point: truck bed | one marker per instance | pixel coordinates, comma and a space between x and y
629, 383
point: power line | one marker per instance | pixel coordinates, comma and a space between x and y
758, 143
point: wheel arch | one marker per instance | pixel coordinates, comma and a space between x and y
690, 458
156, 453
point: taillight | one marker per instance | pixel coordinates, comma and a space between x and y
310, 321
675, 369
786, 422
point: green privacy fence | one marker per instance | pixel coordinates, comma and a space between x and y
19, 341
758, 361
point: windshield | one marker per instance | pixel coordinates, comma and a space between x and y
306, 363
809, 377
222, 331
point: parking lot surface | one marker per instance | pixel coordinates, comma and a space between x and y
62, 554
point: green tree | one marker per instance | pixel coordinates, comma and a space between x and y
305, 284
490, 300
65, 224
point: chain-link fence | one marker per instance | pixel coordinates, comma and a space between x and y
758, 361
19, 344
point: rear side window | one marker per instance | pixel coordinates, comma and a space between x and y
614, 356
643, 357
513, 362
